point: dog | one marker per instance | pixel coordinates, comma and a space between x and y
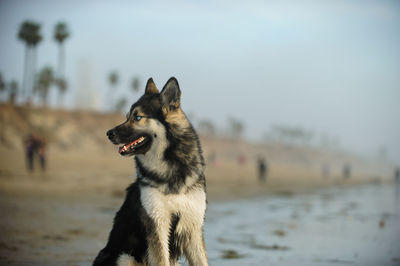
163, 213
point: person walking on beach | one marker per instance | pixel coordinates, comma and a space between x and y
346, 171
42, 152
30, 149
262, 169
35, 146
397, 186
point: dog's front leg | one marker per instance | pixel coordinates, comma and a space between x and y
195, 250
158, 252
159, 219
194, 247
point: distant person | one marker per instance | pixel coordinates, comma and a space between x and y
346, 171
397, 186
30, 145
397, 175
42, 152
262, 169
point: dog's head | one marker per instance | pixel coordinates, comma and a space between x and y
148, 119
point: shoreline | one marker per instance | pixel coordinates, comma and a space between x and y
44, 186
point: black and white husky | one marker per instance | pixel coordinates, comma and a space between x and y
163, 212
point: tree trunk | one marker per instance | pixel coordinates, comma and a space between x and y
60, 70
45, 99
60, 97
61, 60
29, 75
33, 71
25, 75
109, 99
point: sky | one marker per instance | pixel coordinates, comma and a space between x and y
332, 67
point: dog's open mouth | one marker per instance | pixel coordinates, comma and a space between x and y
139, 145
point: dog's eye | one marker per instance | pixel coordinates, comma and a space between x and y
137, 117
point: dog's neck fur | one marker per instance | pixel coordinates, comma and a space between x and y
175, 161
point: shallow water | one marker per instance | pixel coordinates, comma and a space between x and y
349, 226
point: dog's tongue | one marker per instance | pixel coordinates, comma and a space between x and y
126, 147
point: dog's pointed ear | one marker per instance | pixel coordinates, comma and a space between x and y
171, 95
151, 87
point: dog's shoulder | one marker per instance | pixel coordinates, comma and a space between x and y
132, 196
133, 190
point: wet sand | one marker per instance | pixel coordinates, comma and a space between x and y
334, 226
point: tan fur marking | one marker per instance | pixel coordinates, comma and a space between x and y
127, 260
176, 117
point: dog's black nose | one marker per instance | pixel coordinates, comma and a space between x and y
111, 134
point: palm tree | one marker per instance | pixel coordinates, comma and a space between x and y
236, 127
2, 84
44, 81
62, 86
121, 104
29, 33
135, 84
24, 33
36, 39
61, 33
113, 79
13, 91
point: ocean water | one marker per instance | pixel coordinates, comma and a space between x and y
336, 226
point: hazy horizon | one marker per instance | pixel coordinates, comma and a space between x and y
331, 67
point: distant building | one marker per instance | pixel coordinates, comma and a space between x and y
88, 90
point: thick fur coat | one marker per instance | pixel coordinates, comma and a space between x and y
163, 213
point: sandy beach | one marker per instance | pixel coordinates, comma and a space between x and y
331, 226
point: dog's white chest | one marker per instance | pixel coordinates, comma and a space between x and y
160, 206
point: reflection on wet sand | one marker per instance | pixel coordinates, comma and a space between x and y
352, 226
